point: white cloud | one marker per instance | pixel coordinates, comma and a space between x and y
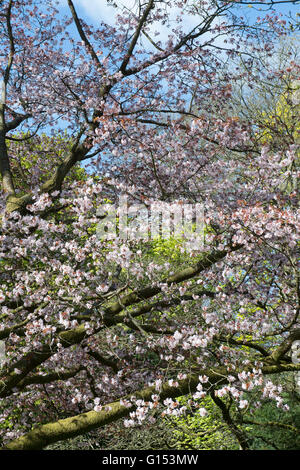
96, 11
99, 10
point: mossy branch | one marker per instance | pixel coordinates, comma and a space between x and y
63, 429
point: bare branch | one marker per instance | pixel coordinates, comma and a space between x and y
83, 36
136, 36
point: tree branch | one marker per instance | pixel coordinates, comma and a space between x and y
285, 346
9, 379
38, 379
147, 292
236, 431
83, 36
64, 429
136, 36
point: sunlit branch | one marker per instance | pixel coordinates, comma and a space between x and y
64, 429
39, 379
83, 36
135, 38
10, 379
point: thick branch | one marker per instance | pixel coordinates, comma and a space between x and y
9, 379
236, 431
83, 35
64, 429
136, 36
11, 42
106, 361
16, 122
5, 171
286, 345
38, 379
274, 424
52, 184
249, 344
147, 292
198, 31
7, 331
80, 424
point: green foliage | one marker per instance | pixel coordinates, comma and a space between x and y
115, 436
33, 160
209, 432
269, 437
169, 249
283, 119
193, 431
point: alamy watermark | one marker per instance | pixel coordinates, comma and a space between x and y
157, 220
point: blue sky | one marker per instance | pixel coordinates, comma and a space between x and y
97, 10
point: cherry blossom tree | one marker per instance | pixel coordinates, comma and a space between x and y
102, 328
